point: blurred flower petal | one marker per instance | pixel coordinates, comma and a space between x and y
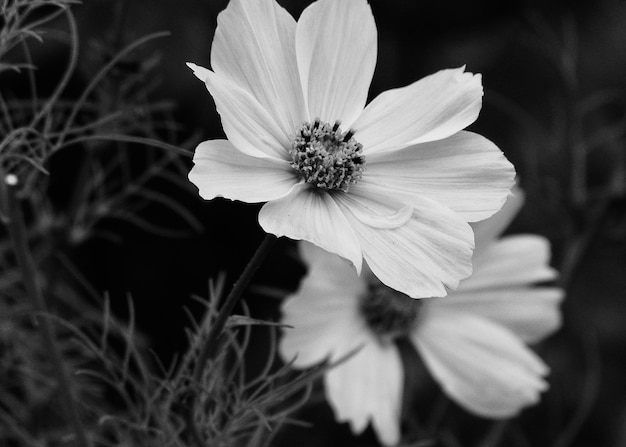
531, 313
480, 365
513, 260
489, 230
368, 387
330, 287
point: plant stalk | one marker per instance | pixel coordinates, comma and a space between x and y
208, 350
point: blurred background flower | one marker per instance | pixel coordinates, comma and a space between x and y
471, 341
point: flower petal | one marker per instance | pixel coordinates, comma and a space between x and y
513, 260
328, 288
255, 47
465, 172
430, 109
220, 170
480, 365
336, 49
431, 250
487, 231
500, 288
312, 215
368, 387
199, 71
245, 121
530, 313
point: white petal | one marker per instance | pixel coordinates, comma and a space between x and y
374, 209
465, 172
480, 365
330, 275
220, 170
513, 260
313, 216
246, 123
500, 288
255, 47
487, 231
430, 109
368, 387
199, 71
336, 49
314, 337
431, 250
330, 287
530, 313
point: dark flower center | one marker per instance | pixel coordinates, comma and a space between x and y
389, 314
326, 157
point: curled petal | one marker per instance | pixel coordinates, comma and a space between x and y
336, 49
312, 215
220, 170
374, 209
430, 109
465, 172
255, 47
432, 250
368, 387
482, 366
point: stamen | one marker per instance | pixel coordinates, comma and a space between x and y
389, 314
326, 157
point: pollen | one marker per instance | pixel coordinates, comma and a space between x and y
326, 157
389, 314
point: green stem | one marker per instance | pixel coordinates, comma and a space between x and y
18, 237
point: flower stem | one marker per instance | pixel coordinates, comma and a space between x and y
17, 235
208, 350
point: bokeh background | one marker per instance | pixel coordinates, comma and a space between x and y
555, 76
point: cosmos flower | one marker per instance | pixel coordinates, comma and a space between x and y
472, 341
394, 182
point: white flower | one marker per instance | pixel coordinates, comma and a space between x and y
472, 341
394, 183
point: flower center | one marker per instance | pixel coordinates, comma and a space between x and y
389, 314
326, 157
